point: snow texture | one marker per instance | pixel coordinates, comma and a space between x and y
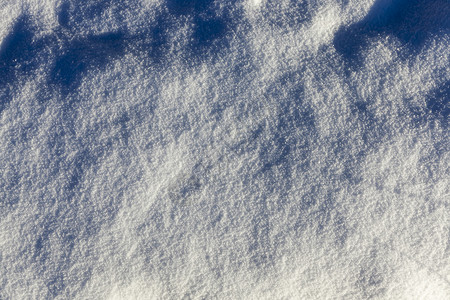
218, 149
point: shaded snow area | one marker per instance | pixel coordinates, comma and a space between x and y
245, 149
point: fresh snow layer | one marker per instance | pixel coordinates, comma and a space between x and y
257, 149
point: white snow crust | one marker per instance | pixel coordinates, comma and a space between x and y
203, 149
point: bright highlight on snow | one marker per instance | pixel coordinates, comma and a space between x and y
202, 149
256, 2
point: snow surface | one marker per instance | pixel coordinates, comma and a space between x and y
257, 149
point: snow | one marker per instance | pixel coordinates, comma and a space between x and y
209, 149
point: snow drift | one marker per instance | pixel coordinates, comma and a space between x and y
224, 149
